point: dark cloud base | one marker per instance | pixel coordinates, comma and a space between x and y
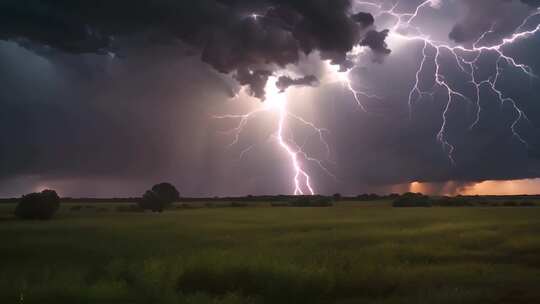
248, 38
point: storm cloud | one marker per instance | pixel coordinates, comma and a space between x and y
249, 39
376, 41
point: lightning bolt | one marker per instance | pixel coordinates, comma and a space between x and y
404, 22
276, 102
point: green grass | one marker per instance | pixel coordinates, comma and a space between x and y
343, 254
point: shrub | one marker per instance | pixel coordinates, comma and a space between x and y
159, 197
280, 204
510, 204
370, 197
412, 200
311, 201
393, 195
458, 201
38, 206
321, 201
300, 201
238, 205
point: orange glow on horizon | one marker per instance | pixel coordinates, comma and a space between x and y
491, 187
416, 187
509, 187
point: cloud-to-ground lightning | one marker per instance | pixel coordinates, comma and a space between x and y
404, 22
276, 103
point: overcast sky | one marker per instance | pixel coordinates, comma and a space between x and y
105, 99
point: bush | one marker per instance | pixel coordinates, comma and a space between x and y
371, 197
413, 200
458, 201
238, 205
321, 201
393, 195
280, 204
38, 206
311, 201
159, 197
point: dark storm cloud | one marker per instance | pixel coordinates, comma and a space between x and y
364, 19
91, 117
284, 82
500, 16
255, 80
376, 41
234, 36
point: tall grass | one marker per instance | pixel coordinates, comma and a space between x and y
275, 255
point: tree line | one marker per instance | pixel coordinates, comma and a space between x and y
43, 205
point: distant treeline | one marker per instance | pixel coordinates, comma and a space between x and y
9, 200
435, 200
502, 197
420, 200
286, 198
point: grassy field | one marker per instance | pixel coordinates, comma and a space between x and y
342, 254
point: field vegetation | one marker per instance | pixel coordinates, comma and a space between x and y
244, 252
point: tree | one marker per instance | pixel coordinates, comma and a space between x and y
38, 206
159, 197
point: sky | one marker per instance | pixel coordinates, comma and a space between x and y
237, 97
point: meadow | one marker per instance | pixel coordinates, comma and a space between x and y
349, 253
